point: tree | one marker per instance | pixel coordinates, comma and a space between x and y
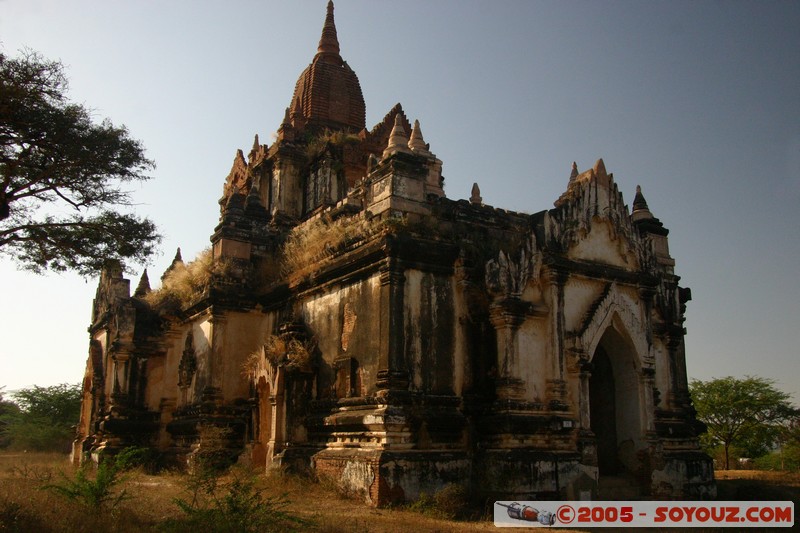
45, 418
7, 409
61, 176
747, 413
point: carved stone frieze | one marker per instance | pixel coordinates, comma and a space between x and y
508, 274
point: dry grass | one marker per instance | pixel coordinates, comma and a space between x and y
25, 507
312, 242
291, 353
185, 283
791, 479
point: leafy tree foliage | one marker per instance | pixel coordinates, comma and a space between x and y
45, 418
61, 176
746, 414
7, 409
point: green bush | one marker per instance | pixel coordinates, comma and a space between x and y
95, 491
135, 457
236, 506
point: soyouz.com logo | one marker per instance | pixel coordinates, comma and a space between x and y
643, 514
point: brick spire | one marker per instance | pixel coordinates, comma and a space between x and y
327, 93
329, 42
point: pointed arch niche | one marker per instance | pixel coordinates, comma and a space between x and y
269, 412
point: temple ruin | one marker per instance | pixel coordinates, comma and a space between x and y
351, 320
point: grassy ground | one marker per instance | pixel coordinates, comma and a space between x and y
150, 502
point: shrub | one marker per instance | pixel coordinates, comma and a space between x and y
237, 507
135, 457
92, 492
451, 503
219, 502
316, 145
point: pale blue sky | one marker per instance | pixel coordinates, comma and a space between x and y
697, 102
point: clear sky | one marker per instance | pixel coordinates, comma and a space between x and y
696, 101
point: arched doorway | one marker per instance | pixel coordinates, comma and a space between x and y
603, 412
614, 404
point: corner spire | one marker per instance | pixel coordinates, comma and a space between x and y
329, 42
574, 174
398, 138
600, 168
639, 203
646, 222
476, 198
416, 143
144, 286
176, 262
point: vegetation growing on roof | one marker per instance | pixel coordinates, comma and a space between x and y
184, 283
315, 240
290, 352
316, 144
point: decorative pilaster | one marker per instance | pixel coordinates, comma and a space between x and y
584, 376
507, 315
216, 367
647, 379
557, 280
679, 393
393, 371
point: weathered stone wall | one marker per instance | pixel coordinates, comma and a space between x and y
536, 365
345, 321
430, 329
236, 336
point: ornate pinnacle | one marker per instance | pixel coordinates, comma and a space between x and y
574, 174
416, 142
639, 203
600, 168
144, 285
178, 260
476, 195
398, 139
